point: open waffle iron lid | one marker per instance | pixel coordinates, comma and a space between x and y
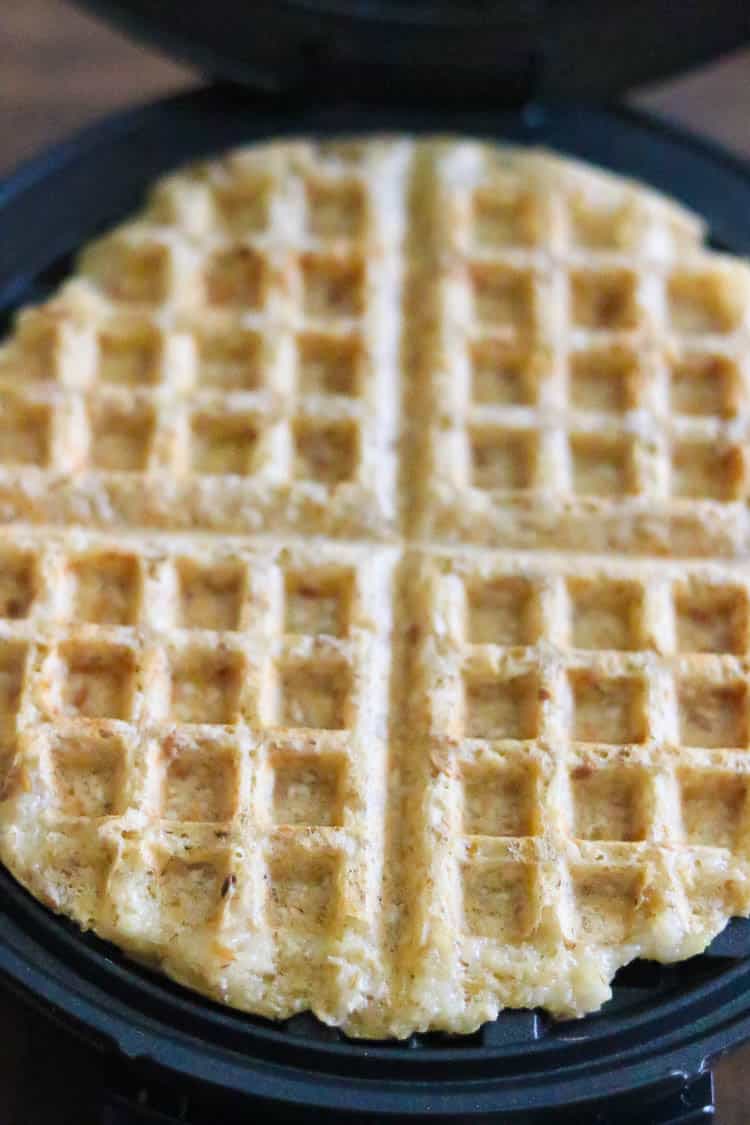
650, 1044
453, 50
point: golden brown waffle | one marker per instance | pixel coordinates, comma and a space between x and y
374, 610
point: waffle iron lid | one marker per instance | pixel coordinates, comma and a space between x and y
435, 50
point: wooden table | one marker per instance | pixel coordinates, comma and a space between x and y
58, 70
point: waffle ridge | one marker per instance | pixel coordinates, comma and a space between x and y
373, 589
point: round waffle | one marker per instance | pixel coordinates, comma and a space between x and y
374, 587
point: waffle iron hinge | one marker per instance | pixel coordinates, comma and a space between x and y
464, 62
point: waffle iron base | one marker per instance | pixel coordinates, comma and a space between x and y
167, 1054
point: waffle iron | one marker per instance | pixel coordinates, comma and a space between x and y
493, 70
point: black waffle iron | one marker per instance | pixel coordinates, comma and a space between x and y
490, 69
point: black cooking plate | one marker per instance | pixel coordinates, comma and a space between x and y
663, 1023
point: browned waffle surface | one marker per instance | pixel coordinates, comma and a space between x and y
374, 608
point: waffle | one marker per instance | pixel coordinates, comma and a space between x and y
374, 607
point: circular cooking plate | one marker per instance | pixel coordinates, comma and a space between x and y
663, 1022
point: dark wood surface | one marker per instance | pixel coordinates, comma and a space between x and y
60, 69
